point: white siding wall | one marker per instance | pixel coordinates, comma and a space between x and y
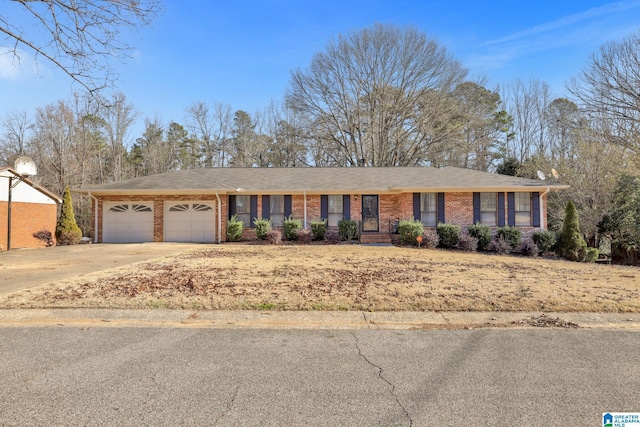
21, 192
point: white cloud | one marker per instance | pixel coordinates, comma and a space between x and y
568, 20
16, 65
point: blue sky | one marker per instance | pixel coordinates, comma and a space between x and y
241, 52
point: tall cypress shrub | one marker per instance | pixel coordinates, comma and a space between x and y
571, 244
67, 230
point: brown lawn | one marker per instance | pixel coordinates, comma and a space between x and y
346, 277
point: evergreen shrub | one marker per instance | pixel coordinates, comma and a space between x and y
291, 227
263, 227
409, 230
482, 232
448, 235
234, 229
544, 239
513, 235
318, 228
67, 230
348, 229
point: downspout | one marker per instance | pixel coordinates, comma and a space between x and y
543, 227
95, 221
304, 193
219, 217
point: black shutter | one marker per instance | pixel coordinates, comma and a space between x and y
416, 207
501, 210
511, 206
440, 215
476, 208
346, 206
324, 207
287, 206
232, 206
266, 207
254, 210
535, 206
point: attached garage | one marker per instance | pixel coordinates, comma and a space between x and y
128, 222
189, 222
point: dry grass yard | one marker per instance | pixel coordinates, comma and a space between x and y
346, 277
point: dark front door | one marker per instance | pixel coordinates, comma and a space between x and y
370, 213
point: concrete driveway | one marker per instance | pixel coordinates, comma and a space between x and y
27, 268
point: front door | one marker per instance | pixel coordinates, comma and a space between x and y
370, 213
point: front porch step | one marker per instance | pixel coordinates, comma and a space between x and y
375, 238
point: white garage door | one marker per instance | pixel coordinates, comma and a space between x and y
128, 222
189, 222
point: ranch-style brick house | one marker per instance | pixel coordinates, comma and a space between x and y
194, 205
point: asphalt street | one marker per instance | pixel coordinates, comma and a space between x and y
122, 376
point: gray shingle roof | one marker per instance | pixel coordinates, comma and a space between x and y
316, 180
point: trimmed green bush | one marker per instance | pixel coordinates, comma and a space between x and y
263, 227
291, 227
318, 228
482, 232
348, 229
448, 235
513, 235
409, 230
591, 255
234, 229
571, 244
544, 239
67, 230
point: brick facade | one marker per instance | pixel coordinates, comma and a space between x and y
392, 207
26, 219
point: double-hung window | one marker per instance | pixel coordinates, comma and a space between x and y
523, 209
335, 209
489, 208
276, 210
428, 209
243, 209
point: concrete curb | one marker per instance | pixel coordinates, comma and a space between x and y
302, 319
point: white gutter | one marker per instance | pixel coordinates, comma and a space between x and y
543, 225
305, 208
219, 217
95, 221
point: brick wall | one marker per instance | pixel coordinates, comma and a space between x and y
26, 219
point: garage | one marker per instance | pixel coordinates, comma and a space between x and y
189, 222
128, 222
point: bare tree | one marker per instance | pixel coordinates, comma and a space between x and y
16, 130
527, 102
211, 127
78, 37
366, 97
118, 115
609, 86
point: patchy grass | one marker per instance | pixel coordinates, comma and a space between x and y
346, 277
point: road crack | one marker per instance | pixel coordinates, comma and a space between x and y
383, 378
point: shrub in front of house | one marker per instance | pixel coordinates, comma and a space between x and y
500, 245
430, 239
45, 236
448, 235
468, 243
332, 237
234, 229
318, 228
67, 230
348, 229
513, 235
571, 244
291, 227
263, 227
305, 236
591, 255
274, 237
482, 232
529, 248
409, 230
544, 239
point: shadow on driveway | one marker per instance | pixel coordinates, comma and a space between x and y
27, 268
